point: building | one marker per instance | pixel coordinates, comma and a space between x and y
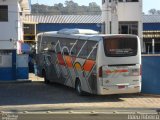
151, 31
43, 23
11, 13
11, 33
122, 16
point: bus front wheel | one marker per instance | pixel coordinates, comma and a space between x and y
46, 81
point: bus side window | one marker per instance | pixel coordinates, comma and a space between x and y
65, 52
74, 51
63, 42
48, 60
92, 50
79, 49
76, 47
58, 47
39, 43
93, 54
71, 44
51, 46
85, 52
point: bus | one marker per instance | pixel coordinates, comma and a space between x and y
90, 62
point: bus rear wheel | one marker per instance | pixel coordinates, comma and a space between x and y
46, 81
78, 88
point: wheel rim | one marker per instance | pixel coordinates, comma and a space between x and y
79, 87
44, 76
45, 79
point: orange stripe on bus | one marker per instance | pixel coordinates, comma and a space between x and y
78, 66
60, 59
68, 61
116, 71
88, 65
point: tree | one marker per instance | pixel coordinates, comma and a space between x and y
68, 8
58, 6
94, 8
71, 7
158, 12
152, 11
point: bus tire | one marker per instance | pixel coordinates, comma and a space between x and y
46, 81
78, 88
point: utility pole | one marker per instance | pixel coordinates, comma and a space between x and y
107, 24
111, 17
153, 46
114, 17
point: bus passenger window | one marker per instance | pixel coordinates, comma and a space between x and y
65, 52
93, 54
83, 49
92, 50
76, 48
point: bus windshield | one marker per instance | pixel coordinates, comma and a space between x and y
120, 46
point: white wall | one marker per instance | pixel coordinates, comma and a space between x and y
9, 30
20, 30
126, 11
129, 11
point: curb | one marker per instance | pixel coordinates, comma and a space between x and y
150, 95
16, 81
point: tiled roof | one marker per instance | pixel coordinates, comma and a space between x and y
63, 18
151, 18
79, 18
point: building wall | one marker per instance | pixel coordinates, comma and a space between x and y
151, 26
10, 33
150, 74
151, 31
9, 30
129, 11
43, 27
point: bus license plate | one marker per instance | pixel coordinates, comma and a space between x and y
121, 87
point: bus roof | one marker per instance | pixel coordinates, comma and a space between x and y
77, 31
80, 34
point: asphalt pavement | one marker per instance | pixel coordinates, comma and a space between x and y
81, 116
37, 100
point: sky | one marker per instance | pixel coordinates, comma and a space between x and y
147, 4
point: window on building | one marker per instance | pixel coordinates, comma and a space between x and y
103, 27
3, 13
103, 1
125, 0
132, 0
0, 60
118, 0
128, 28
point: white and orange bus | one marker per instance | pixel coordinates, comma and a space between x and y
90, 62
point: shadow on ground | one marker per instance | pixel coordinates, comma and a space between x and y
39, 93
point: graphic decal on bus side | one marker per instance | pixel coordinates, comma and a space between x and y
72, 66
65, 72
